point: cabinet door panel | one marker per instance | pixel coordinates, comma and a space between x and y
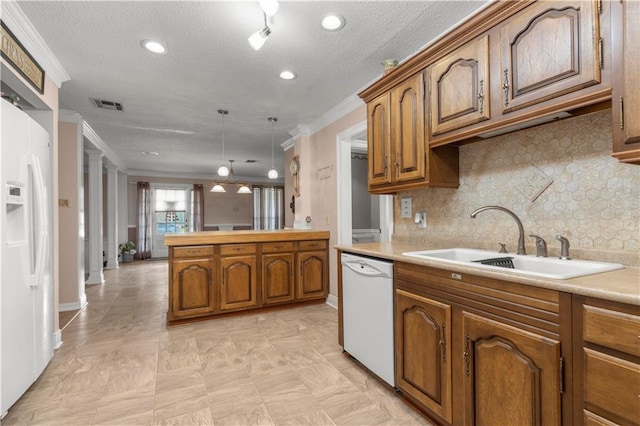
313, 275
423, 360
459, 88
626, 87
511, 376
613, 385
407, 121
192, 287
548, 50
379, 140
238, 287
277, 278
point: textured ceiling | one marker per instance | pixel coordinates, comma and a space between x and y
170, 101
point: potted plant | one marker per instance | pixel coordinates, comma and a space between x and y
127, 250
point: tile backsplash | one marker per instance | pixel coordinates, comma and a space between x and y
558, 178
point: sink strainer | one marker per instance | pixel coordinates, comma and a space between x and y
504, 262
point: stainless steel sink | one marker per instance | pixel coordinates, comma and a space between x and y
547, 267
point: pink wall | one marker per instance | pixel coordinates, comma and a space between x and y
69, 217
319, 186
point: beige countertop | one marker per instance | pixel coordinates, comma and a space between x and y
251, 236
622, 285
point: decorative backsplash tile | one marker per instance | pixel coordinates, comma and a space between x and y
592, 199
532, 183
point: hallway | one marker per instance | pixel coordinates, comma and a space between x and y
119, 364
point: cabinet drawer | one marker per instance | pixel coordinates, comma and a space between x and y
611, 384
279, 247
193, 251
231, 249
312, 245
591, 419
615, 330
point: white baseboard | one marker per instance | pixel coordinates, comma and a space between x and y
57, 339
332, 301
73, 306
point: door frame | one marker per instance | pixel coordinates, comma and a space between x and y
154, 186
346, 141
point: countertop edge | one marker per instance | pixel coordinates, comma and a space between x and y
243, 236
625, 292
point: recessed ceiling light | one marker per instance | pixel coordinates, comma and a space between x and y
332, 22
150, 153
153, 46
287, 75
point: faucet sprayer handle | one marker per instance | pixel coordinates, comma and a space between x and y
564, 247
541, 246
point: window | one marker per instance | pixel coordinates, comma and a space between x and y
170, 210
268, 207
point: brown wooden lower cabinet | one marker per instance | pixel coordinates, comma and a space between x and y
209, 280
238, 282
607, 367
313, 274
512, 377
423, 351
476, 351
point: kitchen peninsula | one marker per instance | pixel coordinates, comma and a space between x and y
215, 273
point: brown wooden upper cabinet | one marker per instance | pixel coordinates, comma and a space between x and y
459, 88
398, 158
396, 134
548, 50
626, 86
379, 136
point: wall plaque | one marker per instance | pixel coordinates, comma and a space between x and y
14, 52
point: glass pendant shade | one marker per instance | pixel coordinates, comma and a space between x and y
217, 188
223, 171
273, 174
244, 189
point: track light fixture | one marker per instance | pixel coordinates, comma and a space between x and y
257, 39
273, 173
270, 7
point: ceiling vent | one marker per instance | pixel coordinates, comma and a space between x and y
251, 161
113, 106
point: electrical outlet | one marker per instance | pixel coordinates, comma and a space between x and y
405, 208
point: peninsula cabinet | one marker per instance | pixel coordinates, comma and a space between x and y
313, 270
626, 86
238, 276
192, 283
244, 270
278, 272
472, 350
607, 367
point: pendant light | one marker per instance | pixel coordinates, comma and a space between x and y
223, 170
273, 173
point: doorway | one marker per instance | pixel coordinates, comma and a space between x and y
171, 212
354, 141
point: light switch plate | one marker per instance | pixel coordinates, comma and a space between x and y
405, 208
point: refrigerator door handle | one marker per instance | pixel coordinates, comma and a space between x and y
38, 217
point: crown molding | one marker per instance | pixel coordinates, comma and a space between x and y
288, 144
99, 144
335, 113
300, 130
30, 38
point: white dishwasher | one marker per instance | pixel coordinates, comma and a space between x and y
367, 309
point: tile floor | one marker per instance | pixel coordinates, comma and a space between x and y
120, 364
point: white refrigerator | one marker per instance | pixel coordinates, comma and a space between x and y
26, 289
